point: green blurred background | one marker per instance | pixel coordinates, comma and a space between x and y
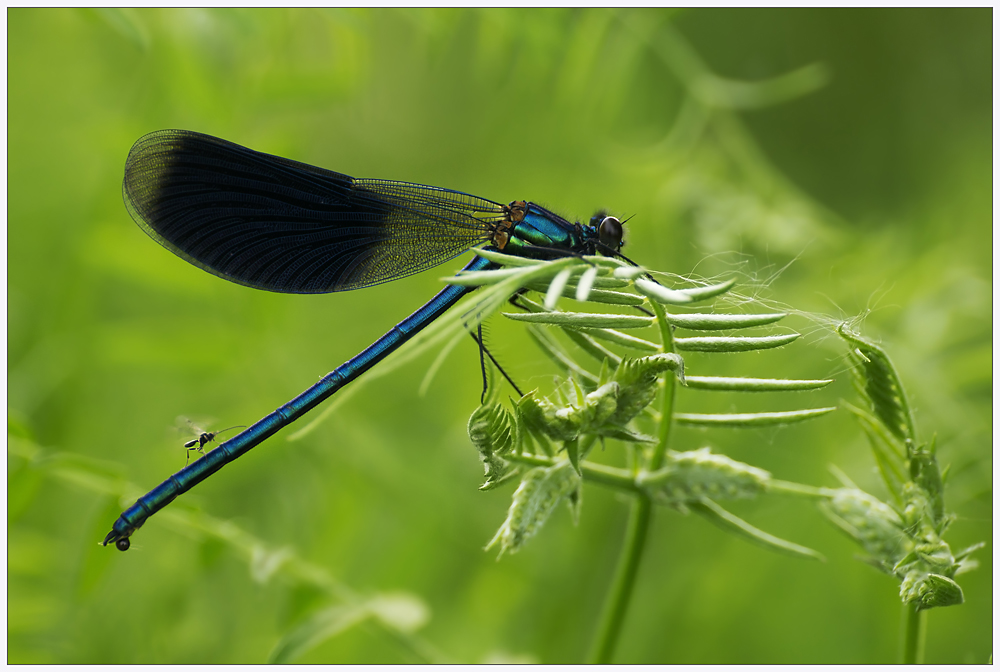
836, 161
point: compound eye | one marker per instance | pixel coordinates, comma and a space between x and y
610, 233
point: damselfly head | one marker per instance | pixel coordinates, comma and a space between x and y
610, 233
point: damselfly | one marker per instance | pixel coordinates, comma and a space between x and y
283, 226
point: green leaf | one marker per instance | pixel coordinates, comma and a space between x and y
708, 291
492, 432
727, 521
573, 453
662, 294
540, 492
624, 434
481, 278
588, 414
878, 382
732, 343
607, 335
753, 384
966, 552
639, 381
404, 612
618, 338
266, 562
519, 274
582, 320
400, 612
931, 590
629, 272
691, 475
505, 260
556, 288
876, 526
538, 416
586, 284
599, 407
717, 321
607, 296
750, 419
889, 452
315, 630
620, 480
925, 473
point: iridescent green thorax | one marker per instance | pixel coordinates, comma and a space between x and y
534, 231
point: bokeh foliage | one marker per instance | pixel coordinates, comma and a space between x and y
856, 177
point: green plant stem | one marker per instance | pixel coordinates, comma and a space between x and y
799, 489
616, 604
617, 479
669, 389
913, 635
640, 515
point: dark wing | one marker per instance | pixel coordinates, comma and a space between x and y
284, 226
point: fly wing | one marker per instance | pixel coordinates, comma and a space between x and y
283, 226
